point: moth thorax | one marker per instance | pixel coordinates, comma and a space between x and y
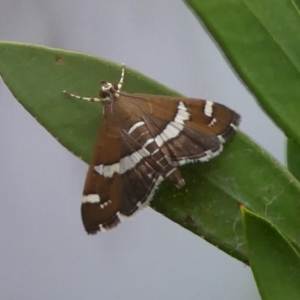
108, 91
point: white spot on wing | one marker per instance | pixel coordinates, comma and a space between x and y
120, 216
212, 122
126, 163
148, 143
101, 227
181, 106
234, 127
159, 141
103, 205
208, 108
155, 151
170, 131
135, 126
107, 171
92, 198
130, 161
175, 127
182, 114
221, 139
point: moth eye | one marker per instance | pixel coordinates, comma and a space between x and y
103, 94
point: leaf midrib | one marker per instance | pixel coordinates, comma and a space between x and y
280, 46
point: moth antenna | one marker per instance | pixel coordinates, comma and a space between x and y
120, 84
90, 99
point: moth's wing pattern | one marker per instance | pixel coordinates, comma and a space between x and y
190, 129
101, 198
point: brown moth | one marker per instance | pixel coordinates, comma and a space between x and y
142, 140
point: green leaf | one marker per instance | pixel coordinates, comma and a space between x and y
293, 158
209, 203
261, 39
296, 3
274, 262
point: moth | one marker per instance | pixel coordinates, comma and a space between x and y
142, 140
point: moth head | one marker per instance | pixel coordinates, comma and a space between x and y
108, 91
